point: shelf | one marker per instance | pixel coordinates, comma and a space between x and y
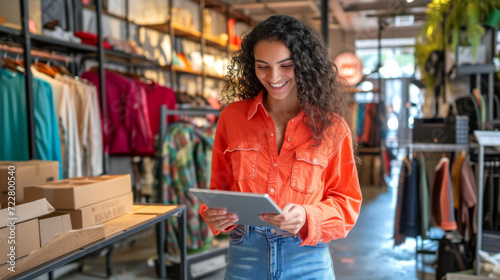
431, 147
131, 58
46, 42
215, 41
487, 138
186, 33
185, 71
476, 69
104, 12
161, 27
217, 77
9, 31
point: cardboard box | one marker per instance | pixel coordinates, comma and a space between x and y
79, 192
61, 244
52, 224
28, 173
104, 211
25, 211
26, 239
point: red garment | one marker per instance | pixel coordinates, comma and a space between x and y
322, 178
91, 39
126, 130
442, 197
157, 96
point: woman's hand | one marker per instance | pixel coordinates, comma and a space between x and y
293, 218
219, 219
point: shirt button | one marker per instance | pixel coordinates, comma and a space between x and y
321, 240
315, 160
275, 165
272, 190
288, 139
292, 120
273, 231
272, 134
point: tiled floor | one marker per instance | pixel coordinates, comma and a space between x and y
367, 252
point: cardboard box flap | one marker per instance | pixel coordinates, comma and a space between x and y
61, 244
25, 211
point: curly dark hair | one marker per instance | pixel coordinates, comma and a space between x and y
318, 89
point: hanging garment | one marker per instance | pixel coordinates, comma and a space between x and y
156, 97
488, 198
13, 120
425, 201
67, 124
409, 202
183, 161
125, 129
442, 197
405, 170
456, 168
89, 124
467, 224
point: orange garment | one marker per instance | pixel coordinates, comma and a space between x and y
456, 168
321, 178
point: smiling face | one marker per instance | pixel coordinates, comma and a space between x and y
275, 70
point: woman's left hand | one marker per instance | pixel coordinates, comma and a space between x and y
293, 218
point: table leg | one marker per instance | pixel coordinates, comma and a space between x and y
182, 221
160, 242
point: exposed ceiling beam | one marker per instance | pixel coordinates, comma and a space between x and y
388, 6
338, 12
277, 5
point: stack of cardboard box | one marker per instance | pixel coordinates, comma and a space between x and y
88, 200
20, 228
26, 173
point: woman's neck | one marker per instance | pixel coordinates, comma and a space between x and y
287, 107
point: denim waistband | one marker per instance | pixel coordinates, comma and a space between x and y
269, 231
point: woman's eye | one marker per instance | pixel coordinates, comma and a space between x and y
288, 66
262, 67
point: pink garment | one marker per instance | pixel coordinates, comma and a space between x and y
157, 96
126, 128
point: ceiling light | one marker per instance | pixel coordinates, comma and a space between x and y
409, 1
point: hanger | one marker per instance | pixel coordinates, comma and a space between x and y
61, 69
44, 68
13, 65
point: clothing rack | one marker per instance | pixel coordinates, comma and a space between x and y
214, 255
35, 53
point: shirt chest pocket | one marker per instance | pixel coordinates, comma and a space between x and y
244, 156
307, 169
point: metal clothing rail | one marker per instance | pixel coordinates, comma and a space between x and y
35, 53
209, 259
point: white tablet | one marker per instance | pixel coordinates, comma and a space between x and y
248, 206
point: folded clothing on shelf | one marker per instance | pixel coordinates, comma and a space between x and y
91, 39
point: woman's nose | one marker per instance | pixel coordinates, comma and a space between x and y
274, 75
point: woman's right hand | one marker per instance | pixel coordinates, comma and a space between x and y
219, 219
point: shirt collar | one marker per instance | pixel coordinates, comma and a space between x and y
258, 101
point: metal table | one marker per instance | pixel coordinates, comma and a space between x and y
179, 211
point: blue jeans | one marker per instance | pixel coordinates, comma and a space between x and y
268, 253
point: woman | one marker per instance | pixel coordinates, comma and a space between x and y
286, 136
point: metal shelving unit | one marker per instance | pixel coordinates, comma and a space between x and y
485, 139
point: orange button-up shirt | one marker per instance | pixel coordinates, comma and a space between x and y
322, 178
